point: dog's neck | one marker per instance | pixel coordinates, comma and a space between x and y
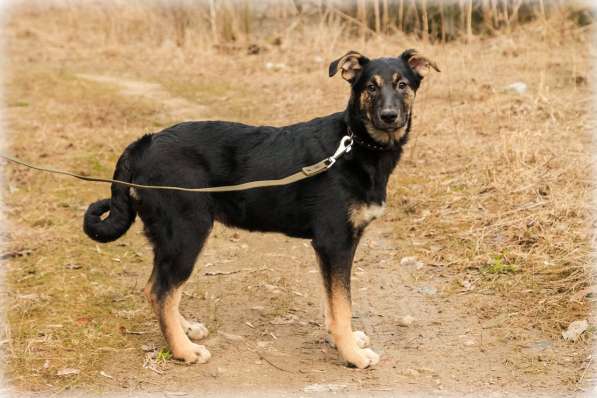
370, 160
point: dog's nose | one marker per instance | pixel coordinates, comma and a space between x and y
389, 115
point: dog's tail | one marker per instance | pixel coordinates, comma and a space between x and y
122, 212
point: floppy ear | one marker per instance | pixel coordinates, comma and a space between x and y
418, 63
351, 65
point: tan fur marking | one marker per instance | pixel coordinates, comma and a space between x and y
341, 329
349, 66
422, 65
148, 292
361, 215
365, 102
384, 137
170, 321
326, 304
395, 77
341, 316
327, 312
381, 136
378, 80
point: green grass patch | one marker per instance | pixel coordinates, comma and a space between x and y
163, 355
499, 266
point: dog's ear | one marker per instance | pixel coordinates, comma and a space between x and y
418, 63
351, 64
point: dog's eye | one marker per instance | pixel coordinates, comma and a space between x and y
401, 85
371, 88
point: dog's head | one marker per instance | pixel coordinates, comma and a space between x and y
383, 90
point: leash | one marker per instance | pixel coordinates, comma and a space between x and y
306, 172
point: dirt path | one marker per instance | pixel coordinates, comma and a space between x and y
260, 297
178, 107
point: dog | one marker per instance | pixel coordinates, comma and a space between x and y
331, 209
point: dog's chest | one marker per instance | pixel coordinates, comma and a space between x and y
361, 214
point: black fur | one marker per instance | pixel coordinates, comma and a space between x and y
215, 153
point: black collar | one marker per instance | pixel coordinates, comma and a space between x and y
358, 141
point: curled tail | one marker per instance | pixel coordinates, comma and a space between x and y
122, 213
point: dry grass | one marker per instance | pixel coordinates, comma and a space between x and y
494, 188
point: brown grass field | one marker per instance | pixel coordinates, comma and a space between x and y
493, 195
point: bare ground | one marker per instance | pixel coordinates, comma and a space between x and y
73, 304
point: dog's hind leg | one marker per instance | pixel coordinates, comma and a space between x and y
335, 257
176, 248
194, 330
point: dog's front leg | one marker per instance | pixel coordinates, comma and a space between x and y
335, 262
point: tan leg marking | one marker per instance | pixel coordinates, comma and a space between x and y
378, 80
148, 292
170, 323
360, 337
341, 330
168, 310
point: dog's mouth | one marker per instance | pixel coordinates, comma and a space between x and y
391, 127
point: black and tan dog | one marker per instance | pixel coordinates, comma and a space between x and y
331, 209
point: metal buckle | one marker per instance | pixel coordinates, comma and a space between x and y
344, 147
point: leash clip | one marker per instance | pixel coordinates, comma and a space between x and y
344, 147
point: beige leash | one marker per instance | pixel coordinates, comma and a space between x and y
306, 172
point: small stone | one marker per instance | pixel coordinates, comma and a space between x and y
275, 66
575, 329
541, 345
517, 87
411, 262
102, 373
425, 370
271, 288
406, 320
427, 290
148, 347
411, 372
68, 372
469, 342
324, 387
217, 372
467, 285
231, 337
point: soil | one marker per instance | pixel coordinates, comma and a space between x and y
262, 292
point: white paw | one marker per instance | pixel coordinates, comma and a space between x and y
196, 330
364, 358
193, 353
360, 338
372, 356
